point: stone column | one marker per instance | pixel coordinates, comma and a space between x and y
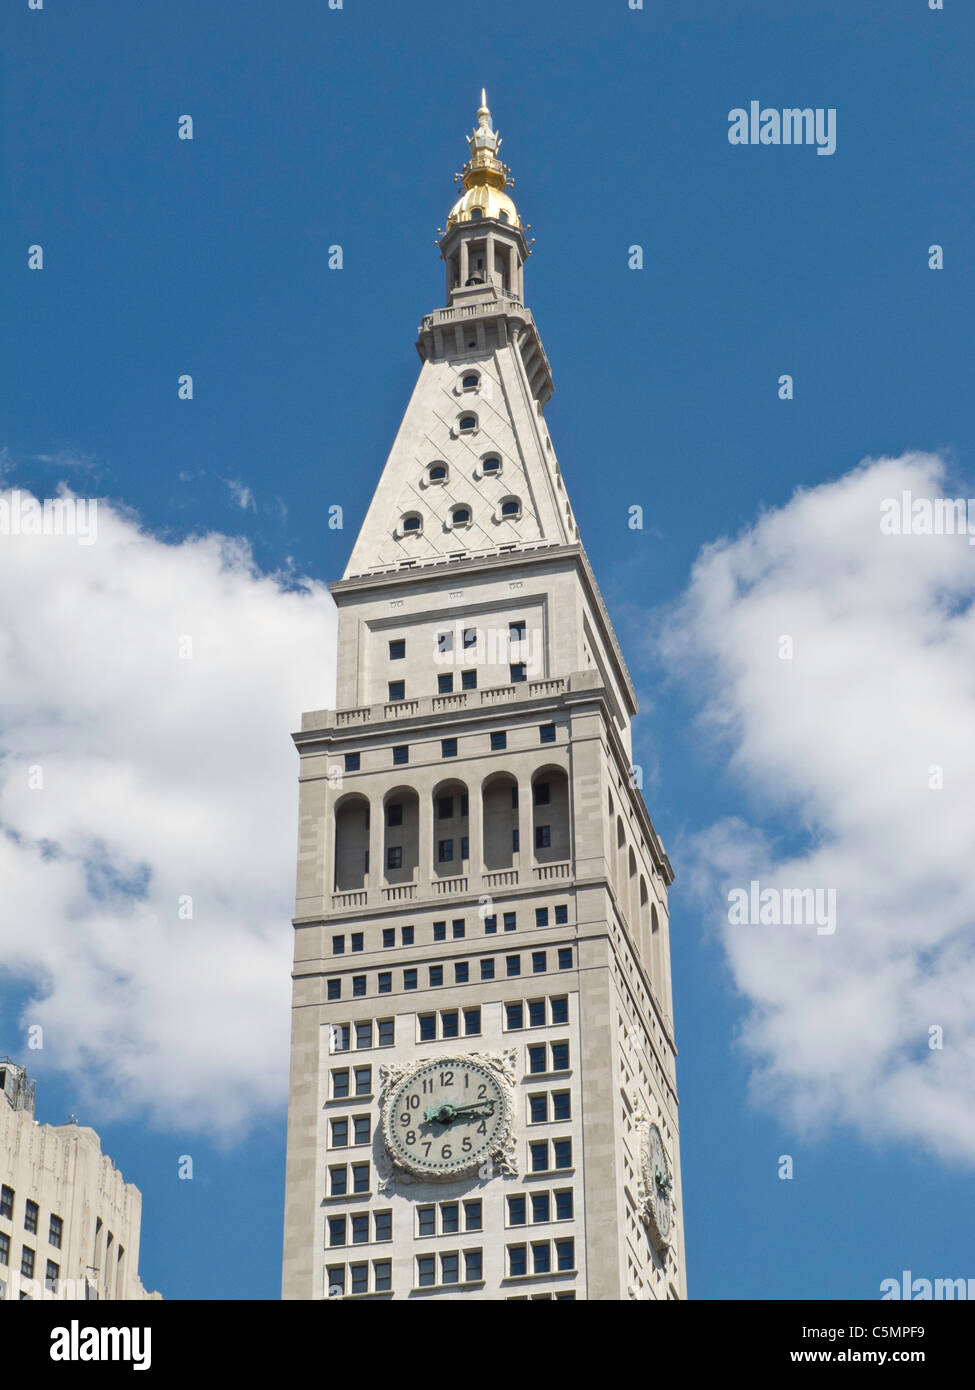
489, 259
463, 263
376, 838
425, 846
475, 837
526, 838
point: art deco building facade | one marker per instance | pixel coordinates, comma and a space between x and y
70, 1225
483, 1100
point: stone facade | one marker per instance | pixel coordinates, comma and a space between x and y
477, 871
70, 1225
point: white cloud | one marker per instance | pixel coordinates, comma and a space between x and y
162, 777
241, 494
834, 748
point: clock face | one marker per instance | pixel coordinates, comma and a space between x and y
446, 1117
657, 1181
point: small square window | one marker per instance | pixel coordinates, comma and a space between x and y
397, 649
338, 945
356, 940
389, 937
335, 989
409, 979
428, 1027
561, 1105
540, 1207
450, 1024
490, 925
561, 915
358, 986
394, 857
468, 680
385, 982
539, 959
401, 754
436, 975
560, 1056
426, 1221
537, 1061
352, 762
519, 672
386, 1028
394, 813
538, 1154
406, 936
543, 836
461, 973
360, 1177
514, 1016
538, 1109
536, 1013
487, 968
457, 927
517, 1211
445, 684
448, 748
499, 741
563, 1153
546, 733
397, 690
541, 917
512, 966
445, 851
440, 931
565, 957
472, 1022
510, 921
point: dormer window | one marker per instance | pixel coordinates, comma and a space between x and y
476, 214
502, 217
470, 381
510, 509
492, 464
467, 424
437, 473
460, 516
412, 523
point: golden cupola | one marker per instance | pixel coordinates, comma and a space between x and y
484, 177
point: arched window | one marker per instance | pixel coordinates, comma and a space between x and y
476, 214
511, 509
351, 844
502, 217
470, 381
437, 473
412, 522
460, 516
492, 464
467, 423
499, 822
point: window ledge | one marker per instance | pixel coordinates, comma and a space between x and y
350, 1197
540, 1278
445, 1288
545, 1075
349, 1100
550, 1173
359, 1297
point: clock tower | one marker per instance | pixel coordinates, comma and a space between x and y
483, 1100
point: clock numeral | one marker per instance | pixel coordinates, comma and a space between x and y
482, 1127
467, 1145
413, 1102
428, 1084
411, 1136
446, 1078
467, 1080
427, 1146
446, 1151
404, 1119
482, 1092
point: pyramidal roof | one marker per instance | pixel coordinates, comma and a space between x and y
472, 470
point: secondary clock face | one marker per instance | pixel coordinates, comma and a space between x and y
446, 1117
657, 1179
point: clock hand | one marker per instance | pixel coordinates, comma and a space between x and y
447, 1113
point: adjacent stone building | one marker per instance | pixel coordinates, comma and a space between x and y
69, 1224
483, 1099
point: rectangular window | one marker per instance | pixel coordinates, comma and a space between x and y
499, 741
445, 851
382, 1276
512, 966
539, 962
445, 685
473, 1216
384, 1225
514, 1016
394, 813
4, 1248
465, 847
541, 917
334, 989
536, 1013
359, 1277
565, 957
340, 1083
30, 1216
538, 1108
487, 968
341, 1037
546, 733
352, 762
450, 1024
472, 1022
361, 1129
340, 1134
397, 648
358, 986
360, 1177
542, 793
448, 748
389, 937
27, 1262
7, 1202
536, 1059
440, 931
468, 680
458, 928
409, 979
360, 1228
519, 672
538, 1154
563, 1205
560, 1056
449, 1218
363, 1081
515, 841
394, 857
426, 1221
406, 936
336, 1280
470, 638
363, 1035
397, 690
426, 1271
540, 1207
338, 945
541, 1257
514, 798
517, 1211
510, 921
517, 1260
561, 1105
356, 940
401, 754
450, 1269
461, 973
54, 1235
561, 915
543, 836
472, 1266
490, 925
338, 1181
428, 1027
517, 630
565, 1254
560, 1010
445, 641
563, 1153
445, 808
387, 1029
436, 976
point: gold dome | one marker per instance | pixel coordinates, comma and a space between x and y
484, 176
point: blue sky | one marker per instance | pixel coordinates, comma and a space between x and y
314, 127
